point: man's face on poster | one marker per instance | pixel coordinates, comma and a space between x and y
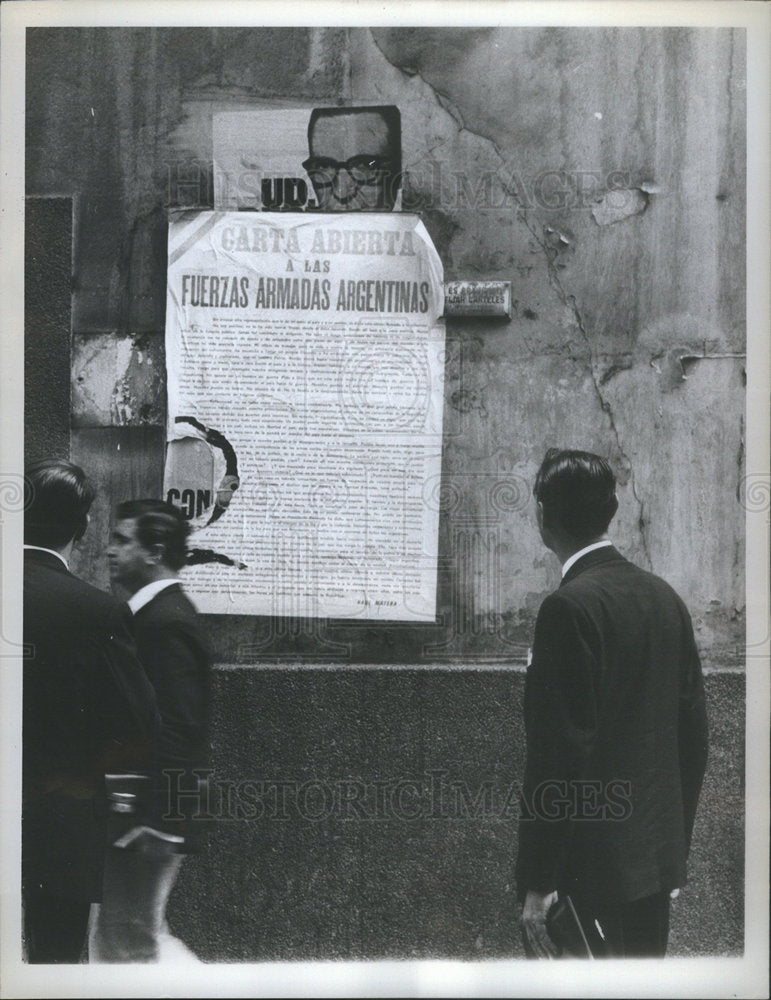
353, 162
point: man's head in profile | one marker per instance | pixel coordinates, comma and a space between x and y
355, 158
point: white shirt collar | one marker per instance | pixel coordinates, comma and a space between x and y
582, 552
51, 552
145, 594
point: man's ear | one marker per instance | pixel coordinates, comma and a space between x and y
155, 553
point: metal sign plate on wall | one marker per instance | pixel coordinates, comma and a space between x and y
477, 298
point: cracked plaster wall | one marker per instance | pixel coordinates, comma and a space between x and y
598, 170
601, 172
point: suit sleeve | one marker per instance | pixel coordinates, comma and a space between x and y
693, 733
177, 668
560, 726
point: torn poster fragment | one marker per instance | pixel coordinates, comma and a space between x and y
305, 367
619, 204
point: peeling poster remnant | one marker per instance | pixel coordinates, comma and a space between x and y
200, 478
619, 204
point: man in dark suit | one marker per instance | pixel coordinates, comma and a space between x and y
162, 823
616, 730
88, 708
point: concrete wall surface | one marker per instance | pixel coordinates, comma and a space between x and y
601, 171
371, 812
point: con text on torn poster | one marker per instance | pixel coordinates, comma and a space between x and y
305, 366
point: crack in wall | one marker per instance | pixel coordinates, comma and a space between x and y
550, 255
569, 301
608, 411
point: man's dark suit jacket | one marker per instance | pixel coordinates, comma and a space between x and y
175, 653
616, 735
88, 709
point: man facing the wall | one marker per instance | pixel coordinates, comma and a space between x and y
88, 708
162, 823
616, 730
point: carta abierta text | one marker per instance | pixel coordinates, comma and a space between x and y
223, 291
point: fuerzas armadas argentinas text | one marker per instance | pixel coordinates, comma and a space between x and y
237, 291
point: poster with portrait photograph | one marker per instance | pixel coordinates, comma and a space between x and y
332, 159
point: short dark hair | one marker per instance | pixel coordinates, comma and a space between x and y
578, 492
390, 115
158, 523
60, 497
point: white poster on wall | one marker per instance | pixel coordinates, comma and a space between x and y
305, 367
297, 159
